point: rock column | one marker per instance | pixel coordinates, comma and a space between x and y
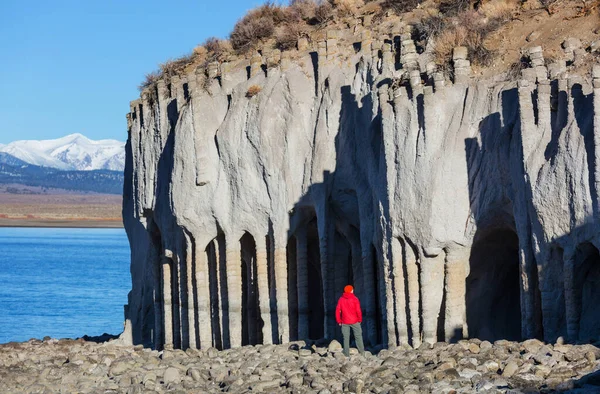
262, 273
159, 323
399, 292
432, 288
368, 301
234, 292
191, 315
281, 286
455, 322
462, 66
412, 277
302, 282
167, 300
203, 298
571, 305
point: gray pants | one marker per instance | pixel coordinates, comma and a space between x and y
357, 331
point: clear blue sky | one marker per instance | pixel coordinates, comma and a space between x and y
73, 66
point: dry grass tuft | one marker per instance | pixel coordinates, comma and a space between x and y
399, 6
215, 47
498, 9
253, 91
454, 7
323, 14
260, 24
346, 8
175, 66
150, 79
429, 27
287, 35
467, 28
305, 9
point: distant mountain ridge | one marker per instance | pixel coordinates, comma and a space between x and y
72, 152
100, 181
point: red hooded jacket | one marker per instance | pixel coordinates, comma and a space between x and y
348, 310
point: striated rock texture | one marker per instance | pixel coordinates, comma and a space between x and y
456, 209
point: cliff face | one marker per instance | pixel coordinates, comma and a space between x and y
456, 209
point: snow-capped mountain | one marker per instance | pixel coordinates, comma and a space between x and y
73, 152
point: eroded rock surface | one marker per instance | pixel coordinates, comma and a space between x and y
52, 366
456, 208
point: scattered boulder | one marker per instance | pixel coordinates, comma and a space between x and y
532, 345
510, 369
334, 346
469, 366
171, 376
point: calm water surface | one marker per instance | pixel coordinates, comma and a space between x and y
64, 283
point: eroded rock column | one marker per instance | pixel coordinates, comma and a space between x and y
432, 291
368, 301
399, 292
191, 311
203, 298
411, 266
262, 273
234, 291
302, 282
281, 285
167, 300
456, 267
571, 304
386, 300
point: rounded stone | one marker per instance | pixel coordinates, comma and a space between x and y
171, 376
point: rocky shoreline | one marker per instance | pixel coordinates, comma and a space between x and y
52, 366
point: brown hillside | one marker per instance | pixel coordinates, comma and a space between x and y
494, 31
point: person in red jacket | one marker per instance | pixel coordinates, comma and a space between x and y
348, 315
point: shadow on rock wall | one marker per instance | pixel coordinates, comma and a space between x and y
493, 287
333, 228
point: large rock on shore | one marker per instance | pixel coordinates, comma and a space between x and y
85, 367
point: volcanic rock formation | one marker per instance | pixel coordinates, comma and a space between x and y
255, 191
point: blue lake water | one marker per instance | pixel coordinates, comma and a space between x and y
64, 283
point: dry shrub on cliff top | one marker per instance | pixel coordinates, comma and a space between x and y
323, 14
470, 34
346, 8
175, 66
287, 35
468, 28
213, 45
427, 28
500, 10
213, 49
305, 9
150, 79
454, 7
258, 24
400, 6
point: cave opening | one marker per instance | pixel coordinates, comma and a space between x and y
587, 284
251, 320
316, 312
493, 287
